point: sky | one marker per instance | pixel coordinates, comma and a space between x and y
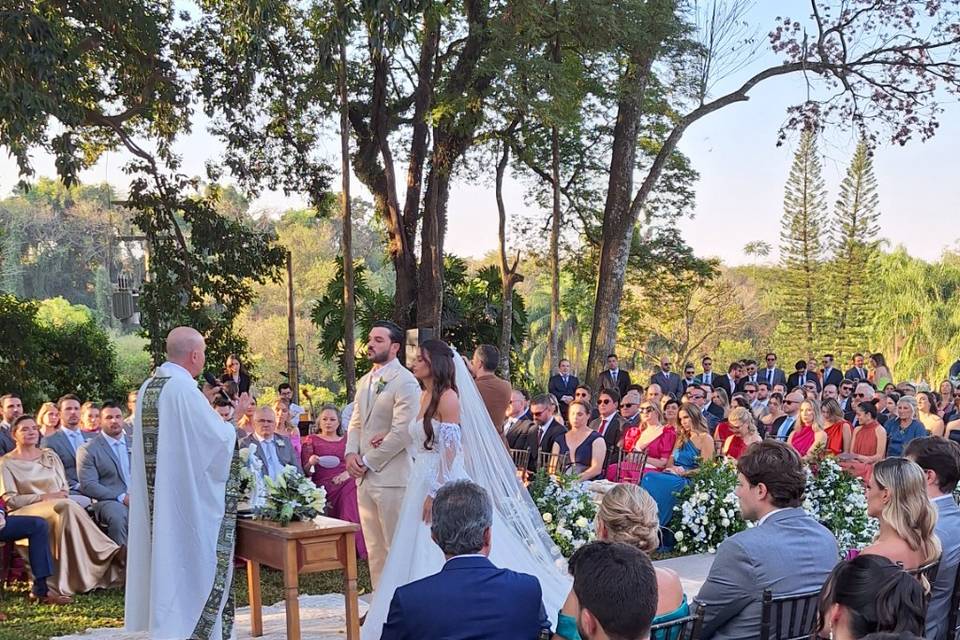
739, 196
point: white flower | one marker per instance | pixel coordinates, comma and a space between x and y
547, 517
678, 536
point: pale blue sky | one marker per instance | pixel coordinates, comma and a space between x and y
742, 174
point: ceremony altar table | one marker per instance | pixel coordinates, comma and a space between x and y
299, 547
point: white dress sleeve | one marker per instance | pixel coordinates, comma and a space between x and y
446, 442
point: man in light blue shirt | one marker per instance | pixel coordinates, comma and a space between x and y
274, 450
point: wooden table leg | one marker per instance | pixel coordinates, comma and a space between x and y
253, 590
349, 554
291, 590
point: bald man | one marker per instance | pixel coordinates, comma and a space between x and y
274, 450
184, 486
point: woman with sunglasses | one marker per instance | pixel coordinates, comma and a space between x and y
694, 445
869, 442
903, 427
652, 436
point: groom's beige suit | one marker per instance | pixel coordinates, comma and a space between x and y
387, 401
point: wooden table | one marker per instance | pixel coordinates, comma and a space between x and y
299, 547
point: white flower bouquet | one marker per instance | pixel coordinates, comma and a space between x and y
567, 509
253, 490
292, 496
707, 511
837, 500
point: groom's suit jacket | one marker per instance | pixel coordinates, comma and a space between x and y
479, 601
387, 401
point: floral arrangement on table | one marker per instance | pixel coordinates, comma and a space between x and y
567, 509
292, 496
837, 500
707, 511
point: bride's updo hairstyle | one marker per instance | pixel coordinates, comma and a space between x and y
629, 515
439, 357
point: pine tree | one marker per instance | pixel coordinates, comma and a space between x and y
853, 247
802, 247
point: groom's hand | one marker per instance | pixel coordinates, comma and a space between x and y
355, 466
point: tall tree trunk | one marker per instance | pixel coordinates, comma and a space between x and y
349, 299
508, 274
555, 222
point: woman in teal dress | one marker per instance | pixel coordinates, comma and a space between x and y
694, 444
628, 514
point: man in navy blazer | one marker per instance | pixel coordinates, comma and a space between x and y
470, 599
940, 460
563, 386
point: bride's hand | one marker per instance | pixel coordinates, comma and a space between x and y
428, 510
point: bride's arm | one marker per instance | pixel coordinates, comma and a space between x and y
446, 442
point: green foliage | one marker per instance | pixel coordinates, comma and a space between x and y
57, 312
567, 509
133, 361
707, 511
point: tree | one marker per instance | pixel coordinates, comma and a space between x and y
802, 248
893, 84
854, 244
509, 275
757, 248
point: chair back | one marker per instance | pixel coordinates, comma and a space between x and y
553, 464
521, 458
927, 575
788, 617
686, 628
635, 460
952, 626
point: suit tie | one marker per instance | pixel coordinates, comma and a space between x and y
770, 377
603, 426
564, 383
706, 378
785, 428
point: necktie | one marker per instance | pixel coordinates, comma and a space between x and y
564, 383
273, 462
540, 434
770, 377
706, 378
616, 374
73, 439
603, 425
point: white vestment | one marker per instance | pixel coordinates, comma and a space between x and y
180, 554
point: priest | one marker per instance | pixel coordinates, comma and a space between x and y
183, 502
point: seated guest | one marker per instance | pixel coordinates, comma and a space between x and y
940, 461
609, 422
283, 427
744, 433
771, 481
518, 421
772, 412
544, 431
866, 595
628, 515
838, 430
33, 483
66, 442
323, 460
90, 418
614, 593
48, 419
273, 449
897, 497
131, 411
589, 450
652, 436
104, 469
869, 442
36, 532
245, 423
725, 429
584, 394
904, 427
947, 408
927, 413
12, 408
808, 434
694, 445
479, 599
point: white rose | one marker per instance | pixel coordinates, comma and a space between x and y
582, 522
547, 517
679, 536
725, 523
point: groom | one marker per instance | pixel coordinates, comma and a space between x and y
387, 401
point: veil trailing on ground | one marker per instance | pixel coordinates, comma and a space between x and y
490, 466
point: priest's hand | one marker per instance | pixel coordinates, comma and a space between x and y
242, 403
355, 466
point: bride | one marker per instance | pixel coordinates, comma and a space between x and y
454, 438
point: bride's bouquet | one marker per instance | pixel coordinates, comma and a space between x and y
292, 496
567, 509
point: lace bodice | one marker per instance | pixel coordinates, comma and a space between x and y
445, 452
445, 435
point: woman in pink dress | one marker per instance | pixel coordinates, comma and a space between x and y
322, 457
809, 430
652, 436
282, 410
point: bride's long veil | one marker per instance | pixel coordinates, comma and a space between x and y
490, 466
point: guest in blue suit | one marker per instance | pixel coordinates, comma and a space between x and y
470, 599
940, 460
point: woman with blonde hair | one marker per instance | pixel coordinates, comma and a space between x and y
897, 497
839, 432
743, 435
629, 515
694, 445
281, 408
652, 436
48, 419
809, 433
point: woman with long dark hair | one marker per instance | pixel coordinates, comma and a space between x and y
870, 594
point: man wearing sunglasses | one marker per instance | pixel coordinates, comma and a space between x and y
785, 423
630, 409
668, 381
609, 424
773, 374
544, 430
831, 375
845, 398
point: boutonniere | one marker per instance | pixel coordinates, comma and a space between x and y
381, 385
280, 443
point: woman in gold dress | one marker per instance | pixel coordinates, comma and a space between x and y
32, 483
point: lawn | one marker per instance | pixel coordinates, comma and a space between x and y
105, 608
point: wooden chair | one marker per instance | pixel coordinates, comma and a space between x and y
788, 617
636, 460
928, 571
554, 464
521, 459
687, 628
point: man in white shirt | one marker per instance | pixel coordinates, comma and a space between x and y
285, 391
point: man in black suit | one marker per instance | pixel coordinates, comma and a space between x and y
750, 375
707, 377
700, 396
857, 371
668, 381
544, 430
845, 398
831, 375
517, 424
772, 374
584, 394
613, 377
563, 386
689, 378
708, 406
799, 377
609, 423
729, 382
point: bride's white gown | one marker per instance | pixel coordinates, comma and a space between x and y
414, 555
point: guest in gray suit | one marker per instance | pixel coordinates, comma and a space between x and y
274, 450
66, 442
940, 460
670, 383
103, 465
787, 552
12, 408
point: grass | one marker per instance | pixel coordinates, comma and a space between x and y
104, 608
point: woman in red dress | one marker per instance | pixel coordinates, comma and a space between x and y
744, 433
323, 461
652, 436
839, 431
